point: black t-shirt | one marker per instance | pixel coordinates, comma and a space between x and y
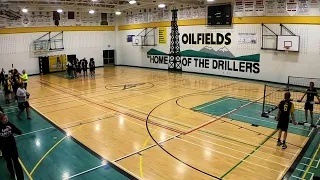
91, 64
2, 75
84, 64
285, 107
311, 93
7, 141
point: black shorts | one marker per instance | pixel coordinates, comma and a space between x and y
283, 125
92, 69
23, 105
84, 70
79, 70
308, 106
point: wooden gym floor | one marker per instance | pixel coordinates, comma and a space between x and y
205, 127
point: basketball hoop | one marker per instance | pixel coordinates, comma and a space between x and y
286, 48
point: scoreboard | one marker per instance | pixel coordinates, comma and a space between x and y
219, 15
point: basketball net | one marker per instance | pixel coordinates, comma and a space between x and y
287, 49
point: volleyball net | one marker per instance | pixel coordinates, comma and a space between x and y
297, 86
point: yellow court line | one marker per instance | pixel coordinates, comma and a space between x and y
45, 155
25, 169
146, 141
35, 167
314, 156
144, 145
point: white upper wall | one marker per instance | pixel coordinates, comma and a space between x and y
274, 66
15, 48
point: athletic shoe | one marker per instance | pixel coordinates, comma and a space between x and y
284, 146
279, 143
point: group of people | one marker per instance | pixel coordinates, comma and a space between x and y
14, 87
78, 68
286, 109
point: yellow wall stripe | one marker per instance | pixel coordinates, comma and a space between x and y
55, 29
235, 20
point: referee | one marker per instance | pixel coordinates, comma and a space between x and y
286, 108
311, 93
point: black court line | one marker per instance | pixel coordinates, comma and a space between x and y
300, 156
177, 136
109, 163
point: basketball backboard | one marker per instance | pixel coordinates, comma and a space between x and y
288, 41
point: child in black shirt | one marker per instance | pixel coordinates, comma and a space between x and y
9, 148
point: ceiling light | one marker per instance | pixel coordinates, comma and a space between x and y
132, 2
118, 13
59, 10
210, 0
24, 10
91, 11
94, 0
161, 5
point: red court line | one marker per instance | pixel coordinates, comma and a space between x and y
224, 115
127, 114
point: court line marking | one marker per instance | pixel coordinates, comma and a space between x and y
46, 154
243, 152
199, 127
121, 158
303, 171
308, 165
106, 107
281, 174
269, 122
25, 169
205, 131
274, 132
144, 145
210, 104
51, 89
32, 132
244, 160
313, 128
224, 115
220, 145
314, 156
303, 144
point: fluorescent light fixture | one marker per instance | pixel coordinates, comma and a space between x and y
132, 2
210, 0
24, 10
59, 10
161, 5
118, 13
94, 0
91, 11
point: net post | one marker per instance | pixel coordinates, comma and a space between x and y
288, 84
264, 98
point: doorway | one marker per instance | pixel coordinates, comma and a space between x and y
108, 57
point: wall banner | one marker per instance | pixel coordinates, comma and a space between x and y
162, 35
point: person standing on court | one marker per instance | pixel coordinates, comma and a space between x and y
9, 148
24, 79
16, 80
7, 89
2, 73
308, 106
85, 67
22, 97
92, 67
286, 108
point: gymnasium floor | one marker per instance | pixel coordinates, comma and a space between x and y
205, 127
